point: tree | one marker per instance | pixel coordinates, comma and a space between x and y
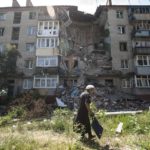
8, 65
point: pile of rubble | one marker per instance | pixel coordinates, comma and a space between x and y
35, 106
106, 98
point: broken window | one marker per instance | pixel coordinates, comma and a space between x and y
27, 84
32, 15
119, 14
124, 64
2, 16
67, 63
109, 82
2, 31
17, 17
31, 30
30, 47
121, 29
15, 33
75, 63
123, 46
29, 64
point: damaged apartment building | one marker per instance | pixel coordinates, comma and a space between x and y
61, 46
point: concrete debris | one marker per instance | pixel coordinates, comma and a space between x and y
60, 103
107, 98
119, 128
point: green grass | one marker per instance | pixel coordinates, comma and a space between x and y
56, 133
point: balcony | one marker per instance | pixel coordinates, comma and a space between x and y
141, 33
137, 17
48, 33
136, 13
142, 70
141, 50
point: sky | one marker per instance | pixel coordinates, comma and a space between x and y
88, 6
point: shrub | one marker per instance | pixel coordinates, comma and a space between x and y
61, 120
18, 111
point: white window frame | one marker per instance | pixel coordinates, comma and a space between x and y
125, 64
32, 15
48, 28
120, 29
119, 14
142, 80
143, 60
26, 84
48, 59
2, 16
126, 83
31, 31
42, 42
53, 79
30, 64
30, 47
121, 44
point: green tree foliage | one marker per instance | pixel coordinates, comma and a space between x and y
8, 66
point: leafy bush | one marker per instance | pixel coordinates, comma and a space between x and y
18, 111
145, 145
61, 120
13, 113
4, 120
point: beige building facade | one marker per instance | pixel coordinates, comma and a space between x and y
60, 45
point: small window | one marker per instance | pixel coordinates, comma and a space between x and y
17, 17
2, 16
27, 84
124, 64
123, 46
2, 31
126, 83
142, 60
109, 82
1, 48
31, 30
119, 14
15, 33
46, 25
29, 64
121, 29
32, 15
30, 47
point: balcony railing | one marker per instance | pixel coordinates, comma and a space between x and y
141, 33
141, 50
47, 32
